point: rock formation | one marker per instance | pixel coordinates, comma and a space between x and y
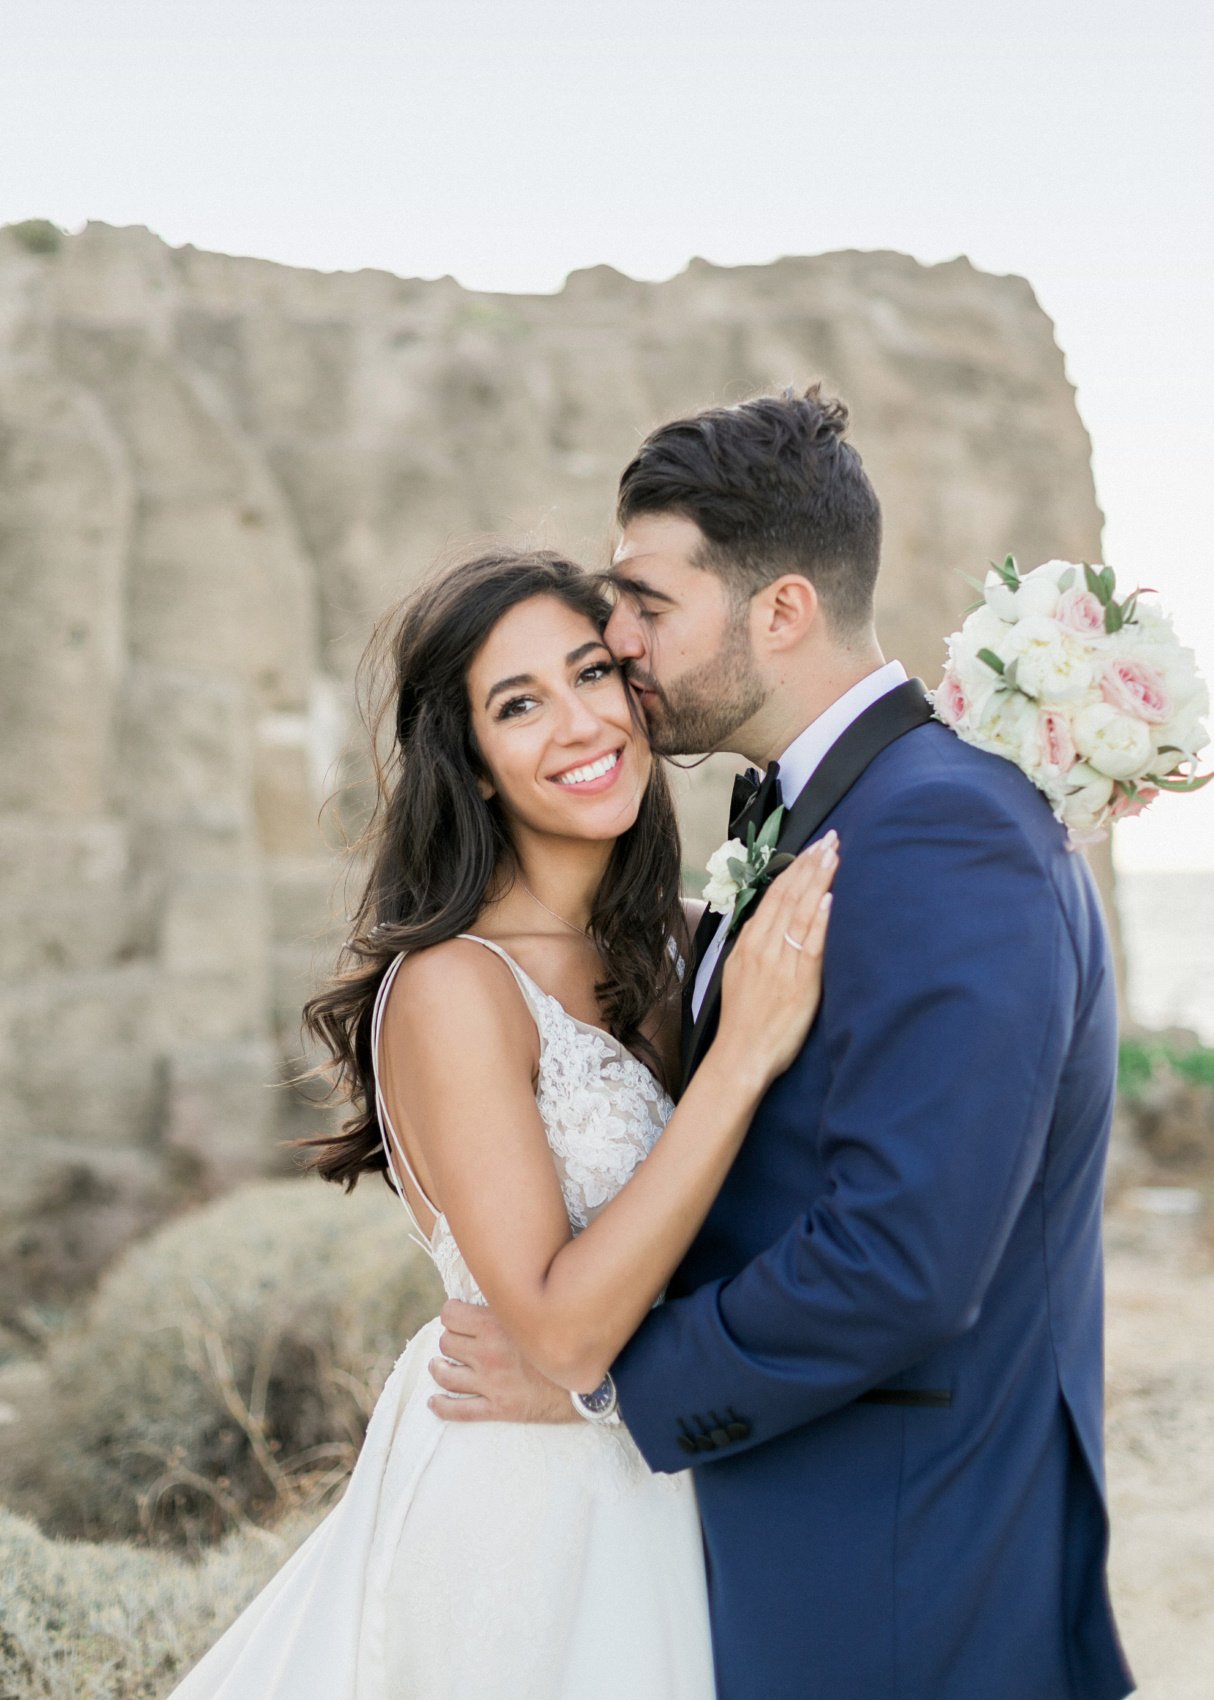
216, 472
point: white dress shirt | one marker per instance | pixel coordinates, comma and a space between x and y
798, 765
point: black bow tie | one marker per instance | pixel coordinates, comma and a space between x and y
754, 797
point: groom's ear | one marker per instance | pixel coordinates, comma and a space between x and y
789, 608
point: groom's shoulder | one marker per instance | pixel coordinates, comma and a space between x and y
931, 772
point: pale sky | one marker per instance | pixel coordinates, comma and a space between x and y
509, 141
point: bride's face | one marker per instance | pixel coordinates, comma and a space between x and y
550, 716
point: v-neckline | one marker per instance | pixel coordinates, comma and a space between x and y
588, 1026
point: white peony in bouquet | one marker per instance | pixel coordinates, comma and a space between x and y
1095, 699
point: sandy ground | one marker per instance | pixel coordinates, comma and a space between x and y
1160, 1440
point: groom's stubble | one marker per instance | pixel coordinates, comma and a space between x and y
705, 706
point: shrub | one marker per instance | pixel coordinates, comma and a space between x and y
1143, 1061
118, 1622
224, 1369
38, 235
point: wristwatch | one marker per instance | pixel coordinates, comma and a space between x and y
601, 1406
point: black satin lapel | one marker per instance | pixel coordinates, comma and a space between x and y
899, 711
705, 930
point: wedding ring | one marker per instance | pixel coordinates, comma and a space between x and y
793, 942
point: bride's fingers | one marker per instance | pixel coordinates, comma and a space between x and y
790, 904
815, 938
807, 905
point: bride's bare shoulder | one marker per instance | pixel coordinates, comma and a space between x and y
457, 990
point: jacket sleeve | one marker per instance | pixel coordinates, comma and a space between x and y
950, 985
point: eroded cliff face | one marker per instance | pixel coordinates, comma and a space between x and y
215, 472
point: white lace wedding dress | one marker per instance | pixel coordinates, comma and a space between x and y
493, 1561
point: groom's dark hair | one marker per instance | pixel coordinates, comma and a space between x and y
775, 489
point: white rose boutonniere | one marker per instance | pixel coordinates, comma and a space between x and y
738, 871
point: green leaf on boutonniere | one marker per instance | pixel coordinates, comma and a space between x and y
770, 830
778, 863
745, 898
739, 872
750, 837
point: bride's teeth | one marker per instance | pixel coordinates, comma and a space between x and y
595, 770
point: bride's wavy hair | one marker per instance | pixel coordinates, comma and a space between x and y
437, 850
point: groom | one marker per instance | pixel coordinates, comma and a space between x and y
882, 1354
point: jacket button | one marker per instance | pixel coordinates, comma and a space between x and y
720, 1437
738, 1431
706, 1443
687, 1443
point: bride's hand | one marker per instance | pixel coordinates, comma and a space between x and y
770, 989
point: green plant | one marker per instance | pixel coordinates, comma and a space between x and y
1142, 1061
38, 235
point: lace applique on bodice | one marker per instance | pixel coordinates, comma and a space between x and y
602, 1111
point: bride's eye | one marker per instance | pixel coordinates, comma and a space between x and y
513, 706
596, 671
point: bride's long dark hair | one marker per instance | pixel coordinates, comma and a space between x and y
437, 849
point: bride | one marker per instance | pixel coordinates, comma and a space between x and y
505, 1026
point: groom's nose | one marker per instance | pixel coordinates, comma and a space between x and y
624, 634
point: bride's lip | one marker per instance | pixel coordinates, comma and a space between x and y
591, 787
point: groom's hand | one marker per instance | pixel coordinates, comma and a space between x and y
489, 1380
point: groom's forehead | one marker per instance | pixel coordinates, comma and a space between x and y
656, 544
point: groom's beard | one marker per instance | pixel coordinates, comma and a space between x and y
704, 708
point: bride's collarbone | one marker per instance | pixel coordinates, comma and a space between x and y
567, 968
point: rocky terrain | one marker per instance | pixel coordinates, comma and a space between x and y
214, 473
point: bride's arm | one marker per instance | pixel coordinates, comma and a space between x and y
464, 1062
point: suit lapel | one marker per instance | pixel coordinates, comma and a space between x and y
703, 935
898, 712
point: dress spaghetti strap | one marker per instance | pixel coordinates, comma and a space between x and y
531, 994
386, 1129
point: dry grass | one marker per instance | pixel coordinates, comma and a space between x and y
118, 1622
223, 1372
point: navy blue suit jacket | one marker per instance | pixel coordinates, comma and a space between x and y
883, 1352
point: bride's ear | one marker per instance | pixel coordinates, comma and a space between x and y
486, 788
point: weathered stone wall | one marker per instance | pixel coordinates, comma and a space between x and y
214, 472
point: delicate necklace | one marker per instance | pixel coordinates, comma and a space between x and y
581, 931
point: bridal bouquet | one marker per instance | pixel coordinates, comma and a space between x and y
1094, 698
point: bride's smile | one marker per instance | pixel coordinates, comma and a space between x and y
562, 747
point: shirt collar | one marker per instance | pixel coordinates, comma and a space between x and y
804, 755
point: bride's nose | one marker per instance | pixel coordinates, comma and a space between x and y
576, 720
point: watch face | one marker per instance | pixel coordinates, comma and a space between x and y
600, 1402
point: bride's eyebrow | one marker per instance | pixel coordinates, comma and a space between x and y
516, 679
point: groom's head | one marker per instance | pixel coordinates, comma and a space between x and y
750, 540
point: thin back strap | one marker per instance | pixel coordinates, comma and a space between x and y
386, 1129
533, 995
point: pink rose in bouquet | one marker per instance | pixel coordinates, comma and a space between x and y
1136, 689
